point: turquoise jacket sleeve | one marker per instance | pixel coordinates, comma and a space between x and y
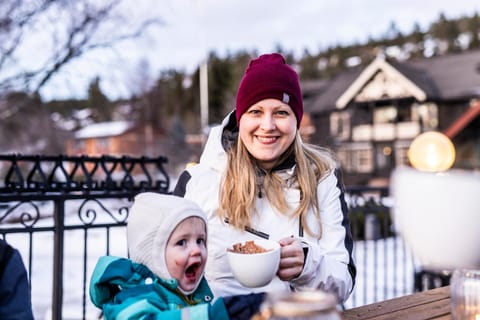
144, 309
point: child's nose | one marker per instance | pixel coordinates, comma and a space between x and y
196, 250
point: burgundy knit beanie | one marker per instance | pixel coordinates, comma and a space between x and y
269, 77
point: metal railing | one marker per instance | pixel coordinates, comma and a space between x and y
385, 269
64, 212
40, 194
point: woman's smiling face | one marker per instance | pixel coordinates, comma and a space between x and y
267, 129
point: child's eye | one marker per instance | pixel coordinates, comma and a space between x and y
181, 242
200, 241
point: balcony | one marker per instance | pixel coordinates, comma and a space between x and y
386, 131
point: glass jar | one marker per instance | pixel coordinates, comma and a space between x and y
304, 305
465, 294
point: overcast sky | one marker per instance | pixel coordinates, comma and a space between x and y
194, 27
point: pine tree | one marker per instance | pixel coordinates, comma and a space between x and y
98, 102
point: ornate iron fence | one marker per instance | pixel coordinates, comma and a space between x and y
384, 265
40, 195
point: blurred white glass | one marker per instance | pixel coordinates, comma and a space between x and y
437, 212
438, 216
465, 294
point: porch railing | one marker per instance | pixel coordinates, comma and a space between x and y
385, 268
63, 212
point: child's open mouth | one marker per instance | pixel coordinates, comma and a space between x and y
191, 271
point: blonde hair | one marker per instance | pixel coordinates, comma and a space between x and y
243, 175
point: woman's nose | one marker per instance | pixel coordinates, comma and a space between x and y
267, 122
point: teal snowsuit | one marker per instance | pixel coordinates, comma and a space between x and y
124, 289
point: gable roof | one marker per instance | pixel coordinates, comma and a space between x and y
441, 78
456, 76
325, 101
379, 64
104, 129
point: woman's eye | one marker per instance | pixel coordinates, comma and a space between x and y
283, 113
254, 111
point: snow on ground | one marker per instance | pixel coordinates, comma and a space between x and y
74, 241
385, 270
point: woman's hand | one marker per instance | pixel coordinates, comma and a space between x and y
291, 259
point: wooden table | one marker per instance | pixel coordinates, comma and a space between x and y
431, 304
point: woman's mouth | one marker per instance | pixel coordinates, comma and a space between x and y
264, 139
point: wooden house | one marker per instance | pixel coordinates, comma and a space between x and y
125, 138
370, 115
115, 138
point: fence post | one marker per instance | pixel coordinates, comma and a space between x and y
372, 226
57, 290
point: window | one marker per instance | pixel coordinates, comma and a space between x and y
401, 153
428, 114
356, 158
362, 160
404, 114
80, 145
342, 156
385, 115
340, 125
102, 145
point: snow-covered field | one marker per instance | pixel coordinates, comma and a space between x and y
385, 269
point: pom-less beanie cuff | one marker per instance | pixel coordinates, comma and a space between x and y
269, 77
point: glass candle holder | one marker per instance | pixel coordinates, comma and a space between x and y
305, 305
465, 294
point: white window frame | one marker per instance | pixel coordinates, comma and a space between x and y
340, 125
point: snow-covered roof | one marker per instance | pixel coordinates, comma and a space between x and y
103, 129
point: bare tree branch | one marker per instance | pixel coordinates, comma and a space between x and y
12, 23
77, 27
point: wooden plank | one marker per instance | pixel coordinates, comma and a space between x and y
445, 317
432, 310
435, 300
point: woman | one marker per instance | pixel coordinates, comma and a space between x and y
257, 178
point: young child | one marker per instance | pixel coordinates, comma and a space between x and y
164, 277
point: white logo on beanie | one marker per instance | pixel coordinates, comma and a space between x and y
286, 98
